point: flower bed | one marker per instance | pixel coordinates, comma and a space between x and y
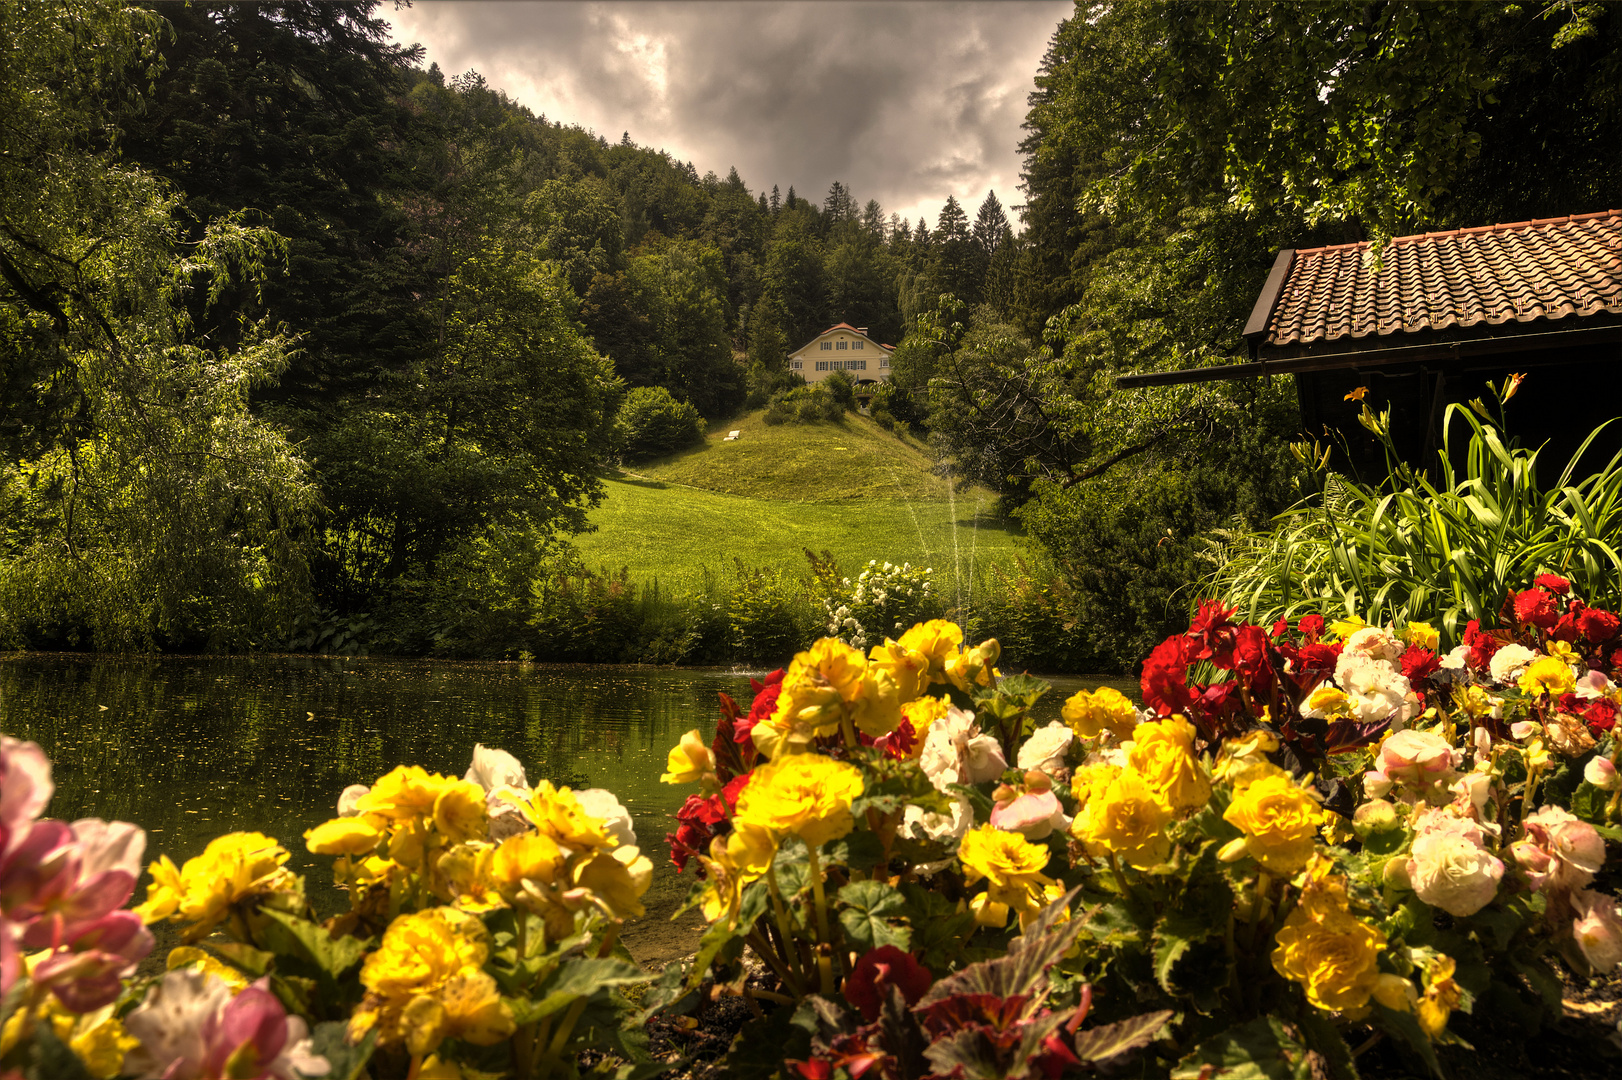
1312, 838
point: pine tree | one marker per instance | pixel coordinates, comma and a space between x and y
625, 138
873, 219
788, 202
839, 207
765, 208
777, 201
989, 224
959, 261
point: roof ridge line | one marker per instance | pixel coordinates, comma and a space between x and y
1476, 230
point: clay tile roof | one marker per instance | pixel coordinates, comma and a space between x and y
1491, 275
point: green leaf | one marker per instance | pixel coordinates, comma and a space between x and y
859, 850
310, 944
1404, 1027
669, 993
49, 1058
1168, 949
1259, 1050
759, 1050
1112, 1040
254, 962
579, 977
348, 1062
869, 907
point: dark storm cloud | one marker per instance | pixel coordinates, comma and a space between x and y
903, 102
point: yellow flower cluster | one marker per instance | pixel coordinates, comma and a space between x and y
233, 869
1125, 811
735, 860
804, 795
1329, 951
403, 823
832, 687
97, 1038
1279, 820
1012, 868
1548, 675
426, 983
1092, 712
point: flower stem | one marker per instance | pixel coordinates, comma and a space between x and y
825, 953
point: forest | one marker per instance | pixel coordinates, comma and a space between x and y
292, 328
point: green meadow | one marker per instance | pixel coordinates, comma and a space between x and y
851, 488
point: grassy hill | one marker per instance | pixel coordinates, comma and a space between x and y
851, 488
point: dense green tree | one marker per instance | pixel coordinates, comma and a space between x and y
578, 225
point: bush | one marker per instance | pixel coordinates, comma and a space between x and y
893, 403
1031, 610
766, 381
842, 388
882, 602
767, 614
652, 424
804, 405
1407, 549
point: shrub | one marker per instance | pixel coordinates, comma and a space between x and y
582, 616
803, 405
1409, 549
882, 601
652, 424
1030, 609
766, 613
842, 388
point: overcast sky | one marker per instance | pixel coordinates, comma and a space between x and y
905, 103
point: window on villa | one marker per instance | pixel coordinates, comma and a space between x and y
858, 345
827, 345
884, 361
842, 344
796, 365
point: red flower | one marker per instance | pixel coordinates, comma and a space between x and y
1536, 607
1553, 582
697, 818
1481, 644
1164, 680
765, 704
1215, 632
1418, 662
882, 967
898, 744
1598, 626
1311, 628
1599, 714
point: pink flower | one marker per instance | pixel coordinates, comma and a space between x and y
25, 783
190, 1027
88, 972
1033, 815
1411, 757
1450, 868
1597, 929
1561, 851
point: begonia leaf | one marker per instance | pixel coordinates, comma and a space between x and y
869, 907
346, 1061
1403, 1026
1112, 1040
1259, 1050
310, 944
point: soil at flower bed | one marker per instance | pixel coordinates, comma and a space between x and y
1585, 1044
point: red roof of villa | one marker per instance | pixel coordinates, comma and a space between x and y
1546, 269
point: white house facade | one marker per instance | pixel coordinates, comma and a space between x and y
842, 347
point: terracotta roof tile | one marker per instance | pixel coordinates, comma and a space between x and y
1544, 269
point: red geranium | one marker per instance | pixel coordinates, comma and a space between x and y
882, 967
1418, 662
1536, 608
1599, 714
1165, 675
1598, 626
1481, 644
1553, 582
1311, 628
1215, 633
764, 705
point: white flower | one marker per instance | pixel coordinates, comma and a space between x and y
922, 825
1376, 688
349, 798
1508, 662
191, 1027
1449, 867
1592, 686
493, 768
1034, 815
1046, 747
1602, 774
1458, 659
954, 752
1597, 930
604, 805
1373, 643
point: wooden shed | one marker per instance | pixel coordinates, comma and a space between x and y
1436, 317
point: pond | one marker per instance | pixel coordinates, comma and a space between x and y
193, 747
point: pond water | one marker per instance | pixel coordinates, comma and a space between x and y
193, 747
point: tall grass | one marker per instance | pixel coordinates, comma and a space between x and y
1443, 552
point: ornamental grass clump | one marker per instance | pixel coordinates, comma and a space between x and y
1341, 837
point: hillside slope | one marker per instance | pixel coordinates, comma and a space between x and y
854, 458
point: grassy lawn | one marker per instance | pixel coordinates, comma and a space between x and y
675, 532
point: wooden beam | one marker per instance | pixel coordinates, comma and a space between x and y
1268, 300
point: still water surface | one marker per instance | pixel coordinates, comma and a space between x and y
193, 747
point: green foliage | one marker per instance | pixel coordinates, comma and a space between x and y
653, 424
804, 405
881, 603
842, 388
1446, 551
766, 613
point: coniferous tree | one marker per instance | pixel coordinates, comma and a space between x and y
959, 261
777, 202
990, 223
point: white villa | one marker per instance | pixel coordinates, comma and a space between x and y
842, 347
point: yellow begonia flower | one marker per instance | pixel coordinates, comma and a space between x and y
1012, 868
437, 954
974, 668
733, 862
936, 640
1547, 675
818, 686
233, 868
97, 1038
689, 761
876, 709
435, 1069
1332, 954
532, 856
459, 812
1562, 650
1091, 781
1245, 758
465, 876
922, 713
1280, 821
557, 813
189, 956
908, 669
1092, 712
805, 795
1422, 634
1330, 702
1442, 996
1163, 754
1474, 701
1346, 627
345, 836
407, 791
1126, 819
618, 878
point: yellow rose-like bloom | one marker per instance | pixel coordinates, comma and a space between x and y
974, 668
907, 668
817, 687
407, 791
101, 1043
438, 954
1163, 754
233, 868
1245, 758
1442, 996
1422, 634
1012, 868
345, 836
735, 861
532, 856
1091, 781
1547, 675
1326, 949
689, 761
460, 813
618, 878
876, 709
1092, 712
1126, 819
557, 813
936, 640
921, 713
1280, 821
1346, 627
190, 956
807, 795
466, 877
1330, 702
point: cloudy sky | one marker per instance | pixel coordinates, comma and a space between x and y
905, 103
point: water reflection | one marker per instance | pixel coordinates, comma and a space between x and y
192, 747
